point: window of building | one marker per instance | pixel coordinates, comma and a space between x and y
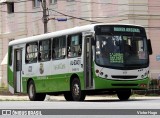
31, 52
59, 48
44, 50
36, 3
53, 1
74, 47
10, 7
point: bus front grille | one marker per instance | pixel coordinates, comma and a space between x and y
124, 84
124, 77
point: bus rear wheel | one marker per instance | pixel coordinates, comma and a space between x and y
75, 94
124, 94
33, 96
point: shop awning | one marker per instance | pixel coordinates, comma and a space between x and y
4, 61
3, 1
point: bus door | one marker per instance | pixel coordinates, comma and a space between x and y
17, 69
88, 59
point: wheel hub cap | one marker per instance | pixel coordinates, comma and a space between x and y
76, 89
31, 90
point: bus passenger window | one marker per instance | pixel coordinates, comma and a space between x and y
59, 48
44, 50
74, 45
31, 52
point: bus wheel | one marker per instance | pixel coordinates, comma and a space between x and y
76, 93
124, 94
33, 96
68, 96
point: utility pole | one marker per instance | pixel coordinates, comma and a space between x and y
45, 15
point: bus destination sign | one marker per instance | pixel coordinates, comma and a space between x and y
126, 29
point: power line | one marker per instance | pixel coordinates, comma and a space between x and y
80, 18
124, 15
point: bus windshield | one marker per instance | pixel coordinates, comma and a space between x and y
119, 51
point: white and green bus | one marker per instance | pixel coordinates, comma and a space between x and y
91, 59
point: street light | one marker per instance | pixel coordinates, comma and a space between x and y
61, 19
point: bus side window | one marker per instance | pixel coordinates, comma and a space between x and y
74, 45
31, 52
44, 50
59, 48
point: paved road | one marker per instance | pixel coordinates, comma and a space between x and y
99, 102
91, 102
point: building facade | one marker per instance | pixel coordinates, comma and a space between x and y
24, 18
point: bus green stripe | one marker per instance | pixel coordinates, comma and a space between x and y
10, 76
52, 83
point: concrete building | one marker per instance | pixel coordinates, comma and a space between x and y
23, 18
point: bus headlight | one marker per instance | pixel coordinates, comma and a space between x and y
145, 74
101, 73
106, 76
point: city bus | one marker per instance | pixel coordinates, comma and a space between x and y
84, 60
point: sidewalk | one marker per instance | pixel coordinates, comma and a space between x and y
61, 98
13, 98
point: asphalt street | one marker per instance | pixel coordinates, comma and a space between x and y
95, 106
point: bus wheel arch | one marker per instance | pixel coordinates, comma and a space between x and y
75, 88
30, 79
72, 77
31, 90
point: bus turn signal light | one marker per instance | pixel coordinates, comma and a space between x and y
143, 85
97, 71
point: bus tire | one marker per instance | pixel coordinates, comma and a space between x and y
124, 95
68, 96
76, 92
33, 96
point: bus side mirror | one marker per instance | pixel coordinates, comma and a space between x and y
149, 46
